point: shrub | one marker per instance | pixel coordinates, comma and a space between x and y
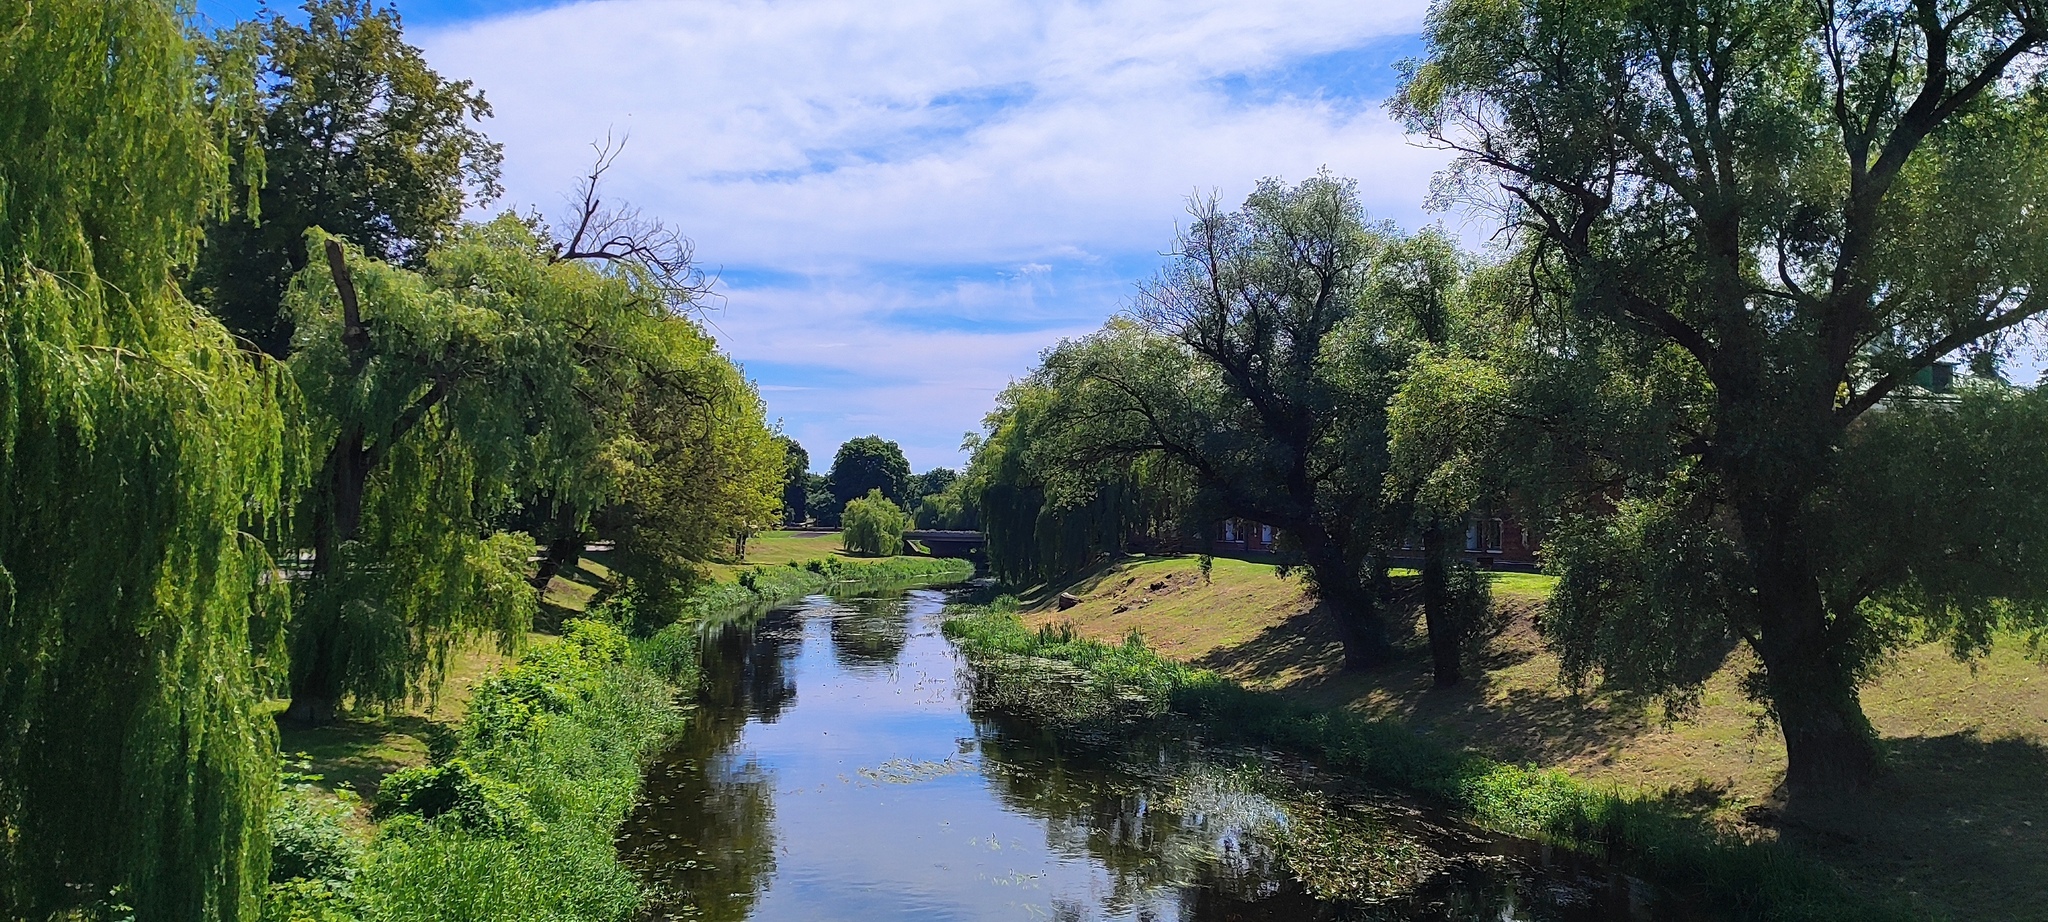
481, 805
309, 835
872, 526
518, 824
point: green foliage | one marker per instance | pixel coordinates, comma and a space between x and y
1251, 380
523, 814
143, 462
872, 526
1055, 679
309, 834
1044, 516
1728, 279
869, 463
796, 472
357, 136
496, 374
481, 805
695, 464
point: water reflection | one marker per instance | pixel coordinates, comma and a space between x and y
868, 632
878, 797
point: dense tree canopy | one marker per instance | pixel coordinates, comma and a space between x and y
1046, 513
142, 460
796, 473
1260, 361
1745, 227
869, 463
358, 137
441, 398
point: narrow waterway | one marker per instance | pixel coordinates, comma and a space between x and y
834, 771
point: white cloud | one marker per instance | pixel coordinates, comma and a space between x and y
870, 148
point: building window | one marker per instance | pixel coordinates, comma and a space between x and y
1489, 534
1266, 535
1229, 531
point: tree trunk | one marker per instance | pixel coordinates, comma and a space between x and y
316, 698
316, 688
1339, 585
1446, 636
1829, 744
564, 547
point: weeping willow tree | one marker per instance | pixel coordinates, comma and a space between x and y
1048, 513
439, 399
141, 457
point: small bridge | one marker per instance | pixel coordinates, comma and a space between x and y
946, 543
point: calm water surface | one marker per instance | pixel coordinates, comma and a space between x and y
834, 772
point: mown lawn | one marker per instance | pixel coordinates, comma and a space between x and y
1957, 825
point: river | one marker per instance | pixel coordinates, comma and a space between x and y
834, 770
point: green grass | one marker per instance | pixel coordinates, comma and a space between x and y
1058, 678
547, 764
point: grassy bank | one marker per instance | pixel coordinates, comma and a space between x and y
515, 823
1952, 827
763, 585
1056, 677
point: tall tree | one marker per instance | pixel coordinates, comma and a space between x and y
359, 137
796, 470
440, 398
869, 463
1755, 222
697, 469
1258, 362
1048, 505
141, 456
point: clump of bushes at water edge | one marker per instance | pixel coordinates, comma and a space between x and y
1052, 677
518, 822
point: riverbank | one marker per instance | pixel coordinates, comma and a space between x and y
500, 795
1951, 831
1053, 677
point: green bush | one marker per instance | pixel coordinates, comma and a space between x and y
518, 823
309, 834
872, 526
482, 805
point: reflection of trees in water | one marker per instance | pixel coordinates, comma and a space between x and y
869, 631
746, 668
703, 832
1132, 809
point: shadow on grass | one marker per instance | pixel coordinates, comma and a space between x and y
1303, 658
1957, 823
357, 754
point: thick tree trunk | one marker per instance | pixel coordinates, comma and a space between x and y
1340, 585
316, 697
1829, 744
1446, 636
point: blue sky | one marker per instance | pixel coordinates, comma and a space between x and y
906, 202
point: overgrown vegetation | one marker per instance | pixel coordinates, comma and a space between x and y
1058, 679
517, 822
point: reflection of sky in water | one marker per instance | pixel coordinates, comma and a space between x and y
849, 846
832, 773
